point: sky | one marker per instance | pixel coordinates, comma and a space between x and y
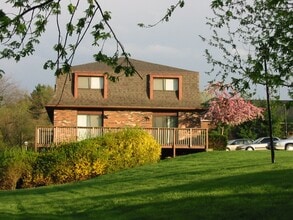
175, 43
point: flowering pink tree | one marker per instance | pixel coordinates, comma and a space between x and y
228, 107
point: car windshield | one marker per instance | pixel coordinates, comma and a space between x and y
257, 141
230, 142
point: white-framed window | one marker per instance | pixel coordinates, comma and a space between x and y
166, 84
89, 120
85, 123
90, 82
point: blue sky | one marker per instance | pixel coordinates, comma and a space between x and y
175, 43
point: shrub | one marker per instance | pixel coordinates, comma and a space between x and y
77, 161
217, 141
69, 162
45, 166
84, 159
129, 148
15, 168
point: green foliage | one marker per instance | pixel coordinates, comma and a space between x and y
15, 168
217, 142
208, 185
129, 148
16, 125
167, 16
251, 130
67, 163
77, 161
22, 25
251, 43
20, 113
260, 127
39, 98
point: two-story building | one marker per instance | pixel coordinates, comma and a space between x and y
159, 97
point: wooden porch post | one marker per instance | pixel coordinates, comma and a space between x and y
36, 137
174, 146
207, 139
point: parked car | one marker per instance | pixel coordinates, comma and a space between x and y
232, 144
258, 144
284, 144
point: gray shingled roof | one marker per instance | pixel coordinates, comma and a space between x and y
128, 92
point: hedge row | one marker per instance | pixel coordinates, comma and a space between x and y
77, 161
217, 142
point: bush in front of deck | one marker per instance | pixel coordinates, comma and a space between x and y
68, 162
15, 168
79, 160
129, 148
83, 161
217, 142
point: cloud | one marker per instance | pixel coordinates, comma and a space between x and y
175, 43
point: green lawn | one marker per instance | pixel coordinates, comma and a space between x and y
209, 185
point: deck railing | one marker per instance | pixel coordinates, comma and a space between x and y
193, 138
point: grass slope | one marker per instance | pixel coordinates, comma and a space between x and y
212, 185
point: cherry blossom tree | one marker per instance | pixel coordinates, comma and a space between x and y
228, 107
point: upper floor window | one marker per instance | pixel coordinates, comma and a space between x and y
166, 84
90, 82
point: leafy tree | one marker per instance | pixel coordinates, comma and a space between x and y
259, 127
256, 47
9, 91
22, 24
39, 98
254, 40
16, 125
16, 107
229, 108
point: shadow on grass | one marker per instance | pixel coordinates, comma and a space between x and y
265, 195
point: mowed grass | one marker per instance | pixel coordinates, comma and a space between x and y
209, 185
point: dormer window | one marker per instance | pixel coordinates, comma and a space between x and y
161, 82
166, 84
89, 82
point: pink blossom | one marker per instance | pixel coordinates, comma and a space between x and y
228, 107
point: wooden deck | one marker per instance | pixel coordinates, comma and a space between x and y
168, 138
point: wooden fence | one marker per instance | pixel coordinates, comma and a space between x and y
183, 138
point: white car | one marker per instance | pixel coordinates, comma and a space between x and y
233, 144
284, 144
258, 144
